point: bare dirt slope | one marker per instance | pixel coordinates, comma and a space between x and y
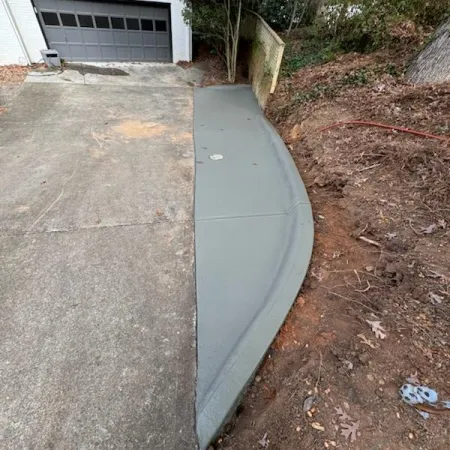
382, 217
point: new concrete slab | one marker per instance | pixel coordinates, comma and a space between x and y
97, 298
254, 236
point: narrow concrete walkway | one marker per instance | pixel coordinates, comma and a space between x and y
254, 236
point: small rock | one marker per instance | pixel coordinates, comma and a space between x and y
297, 429
258, 378
411, 436
381, 381
317, 426
364, 357
370, 377
309, 403
370, 268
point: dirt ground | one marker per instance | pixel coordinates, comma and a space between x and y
382, 223
11, 79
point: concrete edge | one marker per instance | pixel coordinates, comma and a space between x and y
240, 368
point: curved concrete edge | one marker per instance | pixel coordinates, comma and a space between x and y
297, 249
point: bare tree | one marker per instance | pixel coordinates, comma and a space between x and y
232, 35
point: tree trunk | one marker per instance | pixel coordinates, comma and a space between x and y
294, 13
232, 36
432, 65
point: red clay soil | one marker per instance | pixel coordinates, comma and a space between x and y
382, 223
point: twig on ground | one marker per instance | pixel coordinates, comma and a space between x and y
366, 289
412, 228
370, 167
353, 301
370, 241
316, 386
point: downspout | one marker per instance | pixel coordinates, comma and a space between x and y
16, 30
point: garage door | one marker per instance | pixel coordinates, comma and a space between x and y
102, 31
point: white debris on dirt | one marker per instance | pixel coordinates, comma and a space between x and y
379, 331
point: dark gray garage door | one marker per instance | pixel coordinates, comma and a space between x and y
101, 31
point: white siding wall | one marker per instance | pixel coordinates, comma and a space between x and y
181, 33
11, 51
28, 26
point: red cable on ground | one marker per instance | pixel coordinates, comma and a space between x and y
381, 125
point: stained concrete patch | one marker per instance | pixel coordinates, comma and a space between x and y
84, 69
97, 310
138, 129
90, 156
254, 236
139, 74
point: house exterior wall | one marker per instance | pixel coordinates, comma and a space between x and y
21, 38
20, 35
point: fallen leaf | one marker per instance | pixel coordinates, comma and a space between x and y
379, 331
430, 229
317, 426
264, 442
366, 341
435, 299
343, 416
391, 236
349, 430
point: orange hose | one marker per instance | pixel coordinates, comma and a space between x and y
381, 125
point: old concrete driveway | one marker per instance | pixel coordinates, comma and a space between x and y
97, 311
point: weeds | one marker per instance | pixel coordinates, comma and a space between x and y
357, 78
309, 47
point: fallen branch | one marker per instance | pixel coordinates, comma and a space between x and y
353, 301
369, 241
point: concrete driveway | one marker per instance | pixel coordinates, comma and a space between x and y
97, 301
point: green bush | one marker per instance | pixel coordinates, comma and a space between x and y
381, 23
310, 46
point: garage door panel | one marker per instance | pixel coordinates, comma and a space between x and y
109, 53
123, 53
105, 37
161, 54
78, 52
92, 53
90, 37
73, 36
135, 39
120, 38
56, 34
106, 31
162, 40
148, 39
136, 53
150, 53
